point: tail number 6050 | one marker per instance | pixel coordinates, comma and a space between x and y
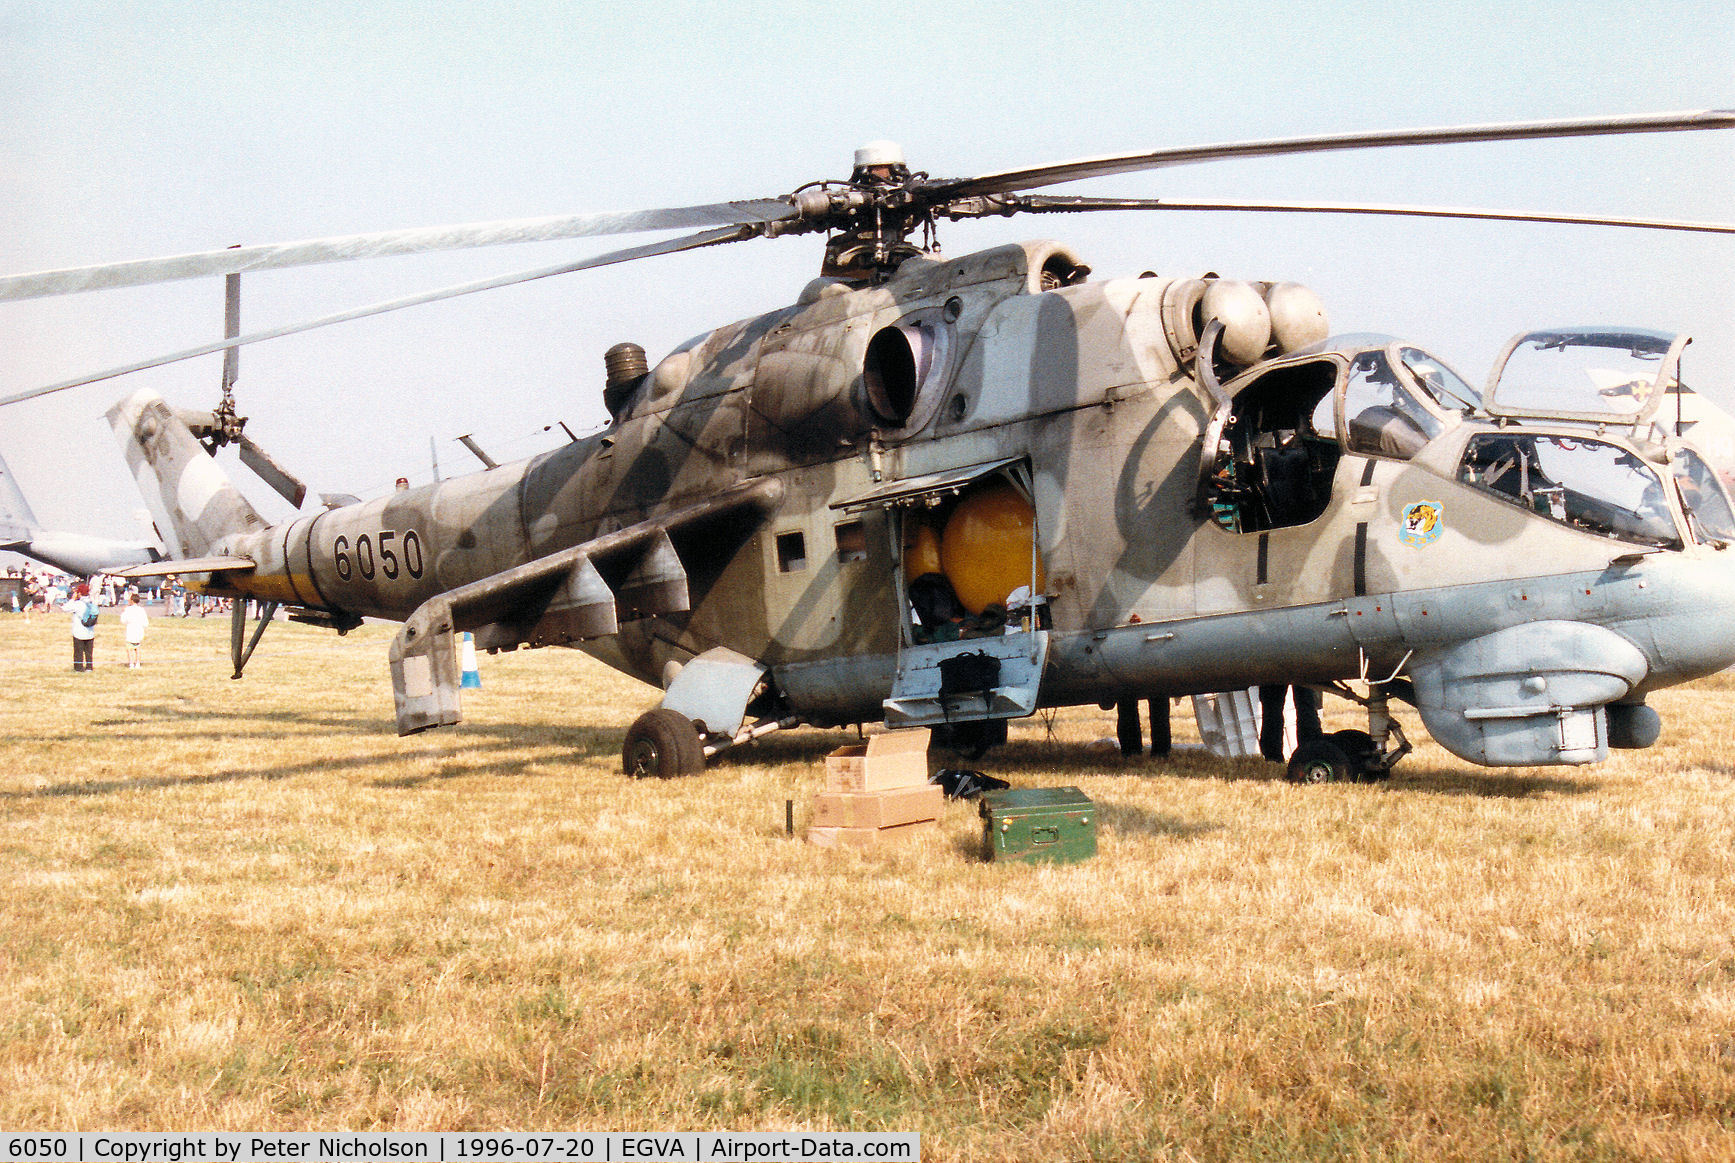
388, 552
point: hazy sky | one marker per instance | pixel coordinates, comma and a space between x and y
135, 129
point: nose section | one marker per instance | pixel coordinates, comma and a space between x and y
1687, 628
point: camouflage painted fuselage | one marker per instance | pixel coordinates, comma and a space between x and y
1088, 388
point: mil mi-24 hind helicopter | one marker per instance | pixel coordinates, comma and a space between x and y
953, 490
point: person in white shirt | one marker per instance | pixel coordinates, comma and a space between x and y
133, 618
83, 610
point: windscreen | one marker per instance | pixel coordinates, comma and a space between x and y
1703, 497
1591, 485
1446, 386
1383, 418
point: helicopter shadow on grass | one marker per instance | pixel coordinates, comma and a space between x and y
1049, 757
480, 750
570, 743
1490, 782
186, 717
808, 748
1196, 763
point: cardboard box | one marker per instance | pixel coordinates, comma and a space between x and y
890, 759
879, 809
869, 837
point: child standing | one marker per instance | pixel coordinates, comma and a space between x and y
134, 619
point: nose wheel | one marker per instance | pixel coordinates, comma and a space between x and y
664, 744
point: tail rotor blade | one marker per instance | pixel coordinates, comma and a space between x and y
287, 485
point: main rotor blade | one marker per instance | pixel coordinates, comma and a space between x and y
671, 246
1040, 204
344, 248
1034, 177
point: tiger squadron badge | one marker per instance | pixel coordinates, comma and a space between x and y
1423, 523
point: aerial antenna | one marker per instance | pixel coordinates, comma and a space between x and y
468, 442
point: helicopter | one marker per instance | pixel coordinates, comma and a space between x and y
948, 491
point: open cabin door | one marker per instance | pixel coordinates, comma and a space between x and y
974, 640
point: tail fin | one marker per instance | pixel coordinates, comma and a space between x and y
16, 520
190, 496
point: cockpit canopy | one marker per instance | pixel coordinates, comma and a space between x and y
1603, 374
1594, 485
1392, 398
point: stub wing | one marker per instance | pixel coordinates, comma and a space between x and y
167, 566
579, 593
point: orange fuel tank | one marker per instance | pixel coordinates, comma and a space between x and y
987, 548
921, 549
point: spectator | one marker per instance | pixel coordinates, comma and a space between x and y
83, 609
1271, 709
134, 619
1131, 737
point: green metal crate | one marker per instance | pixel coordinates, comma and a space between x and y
1055, 824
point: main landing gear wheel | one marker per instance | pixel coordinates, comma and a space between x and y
973, 739
1321, 761
1359, 746
662, 743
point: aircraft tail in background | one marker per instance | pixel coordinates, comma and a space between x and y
75, 553
16, 520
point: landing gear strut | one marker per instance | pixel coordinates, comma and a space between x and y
1353, 756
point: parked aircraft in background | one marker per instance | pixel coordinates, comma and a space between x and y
75, 553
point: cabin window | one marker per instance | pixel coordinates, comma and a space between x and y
791, 552
851, 542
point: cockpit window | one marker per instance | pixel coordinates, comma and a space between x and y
1589, 484
1383, 417
1703, 497
1439, 381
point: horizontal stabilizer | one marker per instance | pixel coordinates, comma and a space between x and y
186, 565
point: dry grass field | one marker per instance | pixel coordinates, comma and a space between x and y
250, 905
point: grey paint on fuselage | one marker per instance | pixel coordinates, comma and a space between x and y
1086, 384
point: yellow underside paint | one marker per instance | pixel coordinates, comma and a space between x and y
271, 587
